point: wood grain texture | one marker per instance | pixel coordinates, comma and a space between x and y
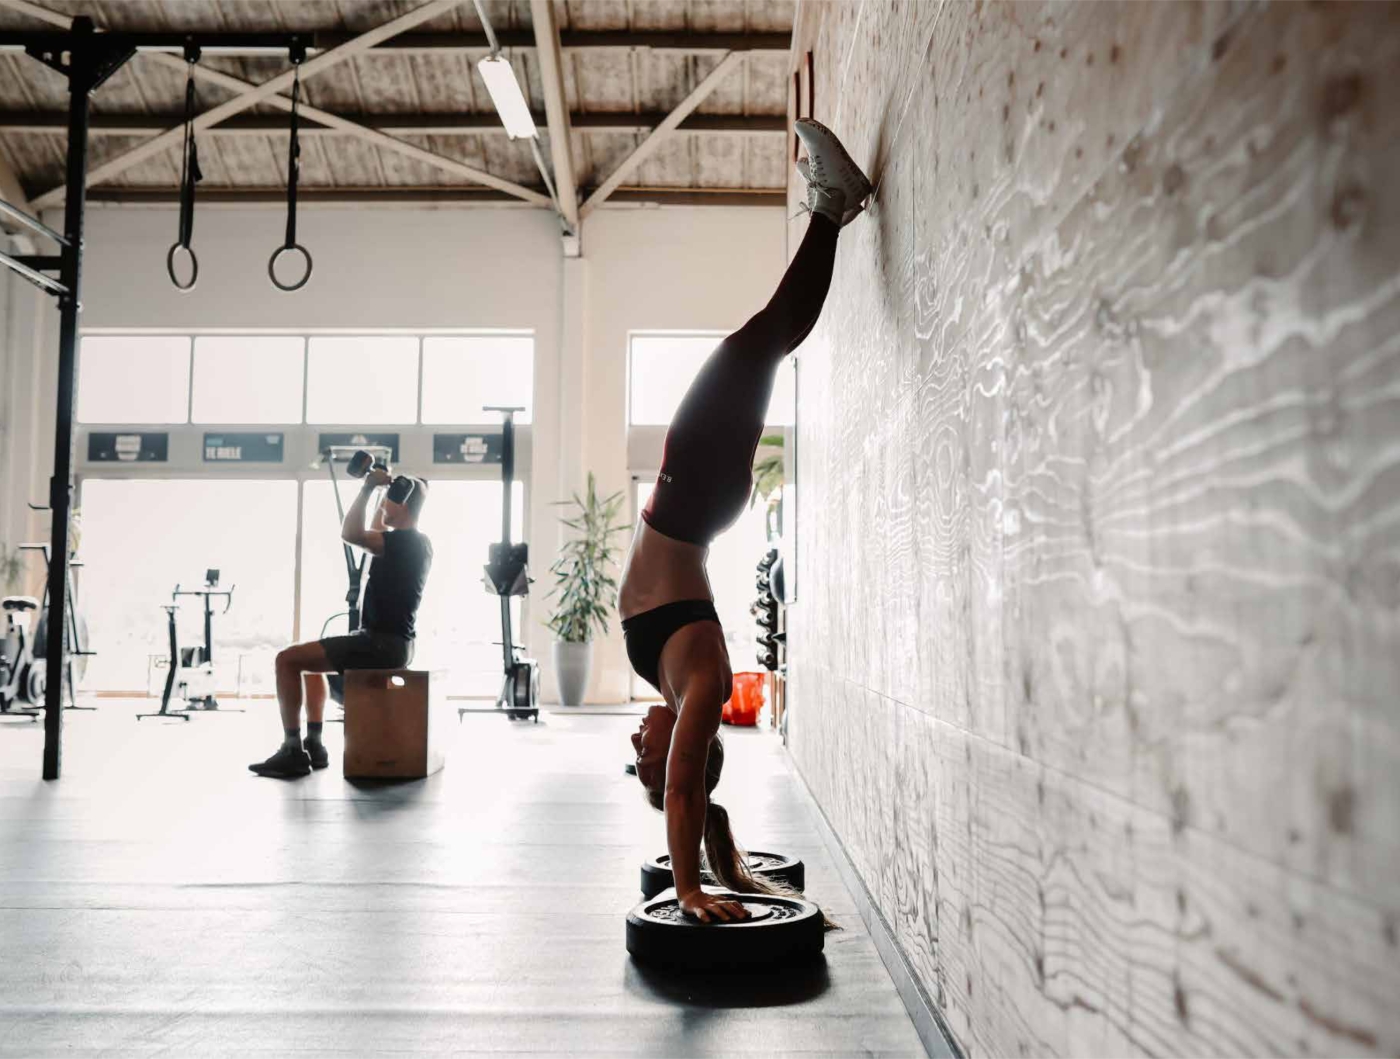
1100, 472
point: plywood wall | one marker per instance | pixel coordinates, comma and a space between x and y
1096, 664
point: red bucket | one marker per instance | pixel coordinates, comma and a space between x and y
746, 700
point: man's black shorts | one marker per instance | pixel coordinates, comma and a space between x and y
368, 650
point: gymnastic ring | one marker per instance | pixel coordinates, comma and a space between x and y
272, 269
170, 266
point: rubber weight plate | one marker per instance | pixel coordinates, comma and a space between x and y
774, 867
779, 930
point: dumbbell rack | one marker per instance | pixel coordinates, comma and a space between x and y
771, 615
767, 611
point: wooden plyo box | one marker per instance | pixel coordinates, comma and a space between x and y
396, 723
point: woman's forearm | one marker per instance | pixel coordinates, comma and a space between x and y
685, 826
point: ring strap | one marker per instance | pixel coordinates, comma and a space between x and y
190, 173
293, 175
293, 163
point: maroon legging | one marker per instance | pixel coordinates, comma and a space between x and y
707, 462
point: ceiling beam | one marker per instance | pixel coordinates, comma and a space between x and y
345, 126
586, 40
474, 40
648, 146
43, 14
428, 196
159, 144
379, 133
561, 142
485, 124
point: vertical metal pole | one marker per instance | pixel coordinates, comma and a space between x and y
507, 472
296, 571
80, 76
507, 638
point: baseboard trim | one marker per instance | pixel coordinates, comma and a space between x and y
928, 1023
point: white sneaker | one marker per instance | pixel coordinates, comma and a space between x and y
836, 188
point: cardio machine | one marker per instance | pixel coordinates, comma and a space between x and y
23, 667
22, 675
190, 676
507, 575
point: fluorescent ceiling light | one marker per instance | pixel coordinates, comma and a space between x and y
500, 80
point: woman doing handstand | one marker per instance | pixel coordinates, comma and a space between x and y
674, 639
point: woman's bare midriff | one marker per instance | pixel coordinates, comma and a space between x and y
661, 570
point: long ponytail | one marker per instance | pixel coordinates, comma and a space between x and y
726, 860
724, 857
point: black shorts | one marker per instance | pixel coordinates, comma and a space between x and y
646, 633
368, 650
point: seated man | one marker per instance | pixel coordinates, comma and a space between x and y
397, 574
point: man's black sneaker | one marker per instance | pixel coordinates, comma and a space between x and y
317, 752
287, 763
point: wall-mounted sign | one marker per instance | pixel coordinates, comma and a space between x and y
243, 448
467, 448
361, 441
128, 448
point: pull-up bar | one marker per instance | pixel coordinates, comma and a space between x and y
55, 41
85, 59
28, 266
24, 267
35, 225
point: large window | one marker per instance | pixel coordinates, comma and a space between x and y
247, 379
339, 380
459, 624
662, 367
464, 373
134, 379
141, 538
362, 379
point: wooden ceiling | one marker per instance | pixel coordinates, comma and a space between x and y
625, 64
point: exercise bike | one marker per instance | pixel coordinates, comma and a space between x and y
507, 575
190, 677
75, 631
22, 676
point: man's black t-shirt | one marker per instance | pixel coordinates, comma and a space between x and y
396, 581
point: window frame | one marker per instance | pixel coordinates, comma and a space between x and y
300, 440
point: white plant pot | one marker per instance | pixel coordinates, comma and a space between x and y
572, 664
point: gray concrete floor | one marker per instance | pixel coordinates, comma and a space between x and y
159, 899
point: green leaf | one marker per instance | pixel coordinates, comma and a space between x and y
585, 590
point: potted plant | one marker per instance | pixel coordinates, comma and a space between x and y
769, 477
11, 567
585, 588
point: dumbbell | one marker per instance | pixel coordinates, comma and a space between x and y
362, 463
400, 489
